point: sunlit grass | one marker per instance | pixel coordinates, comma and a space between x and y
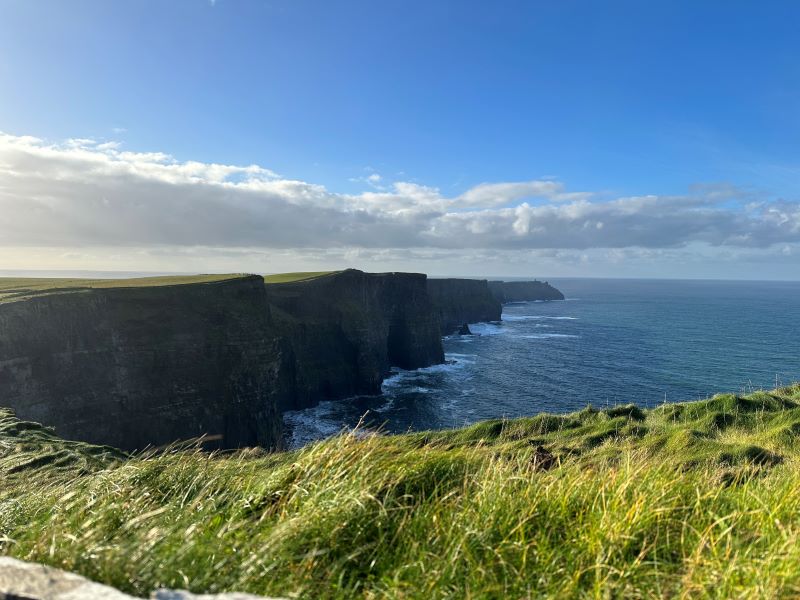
16, 288
698, 500
299, 276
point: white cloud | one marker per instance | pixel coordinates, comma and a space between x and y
501, 194
374, 180
84, 194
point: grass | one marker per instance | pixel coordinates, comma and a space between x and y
690, 500
18, 288
298, 276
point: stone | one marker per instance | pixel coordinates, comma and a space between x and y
543, 459
165, 594
20, 580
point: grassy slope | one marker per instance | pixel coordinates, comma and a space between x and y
299, 276
16, 288
697, 499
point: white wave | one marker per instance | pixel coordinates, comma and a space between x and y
487, 329
537, 318
311, 424
544, 336
403, 379
396, 380
418, 380
443, 368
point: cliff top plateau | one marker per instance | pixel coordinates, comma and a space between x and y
21, 288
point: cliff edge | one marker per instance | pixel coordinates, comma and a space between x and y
460, 301
144, 366
345, 330
524, 291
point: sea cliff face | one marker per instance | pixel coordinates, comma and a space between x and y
522, 291
460, 301
344, 331
138, 366
147, 364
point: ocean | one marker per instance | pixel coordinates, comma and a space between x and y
610, 342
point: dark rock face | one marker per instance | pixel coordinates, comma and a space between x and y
132, 367
146, 366
344, 331
521, 291
460, 301
464, 330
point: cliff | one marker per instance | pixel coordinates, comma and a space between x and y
345, 330
521, 291
460, 301
136, 363
148, 365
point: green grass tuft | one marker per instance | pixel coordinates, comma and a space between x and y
698, 499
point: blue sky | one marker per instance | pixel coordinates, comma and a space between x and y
611, 100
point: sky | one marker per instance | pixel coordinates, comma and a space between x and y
507, 138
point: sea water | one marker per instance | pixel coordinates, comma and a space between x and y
609, 342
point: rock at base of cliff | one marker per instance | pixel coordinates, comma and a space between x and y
464, 330
21, 580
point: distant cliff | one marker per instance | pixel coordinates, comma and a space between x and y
460, 301
521, 291
138, 366
345, 331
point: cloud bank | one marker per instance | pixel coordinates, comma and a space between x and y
83, 194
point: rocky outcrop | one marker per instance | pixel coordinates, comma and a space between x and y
134, 367
21, 580
345, 331
522, 291
460, 301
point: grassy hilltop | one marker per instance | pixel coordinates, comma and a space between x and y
699, 499
20, 288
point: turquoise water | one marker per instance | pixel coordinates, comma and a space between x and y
610, 342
